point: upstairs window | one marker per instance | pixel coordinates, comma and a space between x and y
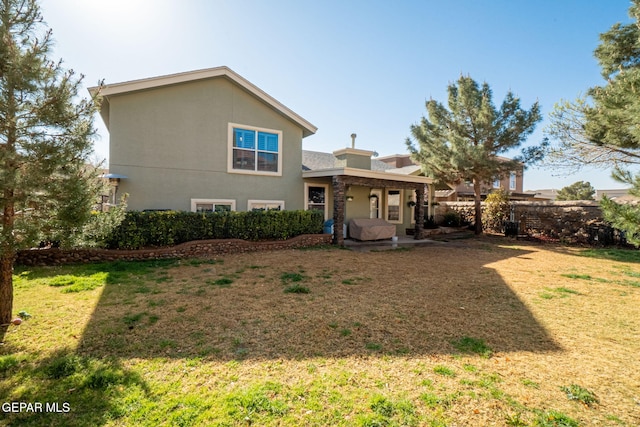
512, 181
255, 150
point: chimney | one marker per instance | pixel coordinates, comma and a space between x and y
353, 157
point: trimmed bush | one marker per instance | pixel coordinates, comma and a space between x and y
166, 228
452, 219
429, 221
496, 211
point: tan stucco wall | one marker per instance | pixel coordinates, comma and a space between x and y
353, 160
171, 143
359, 207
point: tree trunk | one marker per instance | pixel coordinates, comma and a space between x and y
7, 256
478, 206
6, 289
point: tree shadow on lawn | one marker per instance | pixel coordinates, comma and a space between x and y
411, 303
60, 387
65, 389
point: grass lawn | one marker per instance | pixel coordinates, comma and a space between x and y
479, 332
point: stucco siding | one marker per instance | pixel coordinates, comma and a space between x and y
359, 206
172, 144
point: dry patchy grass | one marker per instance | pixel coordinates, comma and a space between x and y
478, 332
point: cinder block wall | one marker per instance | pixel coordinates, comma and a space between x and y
568, 220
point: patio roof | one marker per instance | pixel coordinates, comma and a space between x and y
364, 173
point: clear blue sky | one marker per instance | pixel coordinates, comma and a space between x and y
349, 66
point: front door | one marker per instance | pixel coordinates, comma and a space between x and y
375, 198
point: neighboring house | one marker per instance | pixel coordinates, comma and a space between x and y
621, 194
618, 194
210, 140
512, 183
546, 194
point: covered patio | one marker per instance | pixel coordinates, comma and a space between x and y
343, 178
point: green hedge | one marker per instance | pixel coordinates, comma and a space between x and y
166, 228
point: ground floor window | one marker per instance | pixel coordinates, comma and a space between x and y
394, 206
265, 205
316, 197
213, 205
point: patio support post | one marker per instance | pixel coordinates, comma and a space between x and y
419, 211
338, 210
430, 200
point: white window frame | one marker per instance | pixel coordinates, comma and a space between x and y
230, 168
497, 183
513, 180
266, 202
378, 194
386, 206
214, 202
326, 197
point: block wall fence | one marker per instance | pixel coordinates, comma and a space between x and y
571, 221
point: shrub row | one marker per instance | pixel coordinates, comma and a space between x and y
154, 229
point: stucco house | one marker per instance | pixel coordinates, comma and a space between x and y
210, 140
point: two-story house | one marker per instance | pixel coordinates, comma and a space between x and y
210, 140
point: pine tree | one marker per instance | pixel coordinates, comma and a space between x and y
463, 142
603, 128
579, 190
46, 190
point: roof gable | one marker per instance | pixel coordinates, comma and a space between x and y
190, 76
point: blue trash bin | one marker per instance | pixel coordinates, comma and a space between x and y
328, 227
